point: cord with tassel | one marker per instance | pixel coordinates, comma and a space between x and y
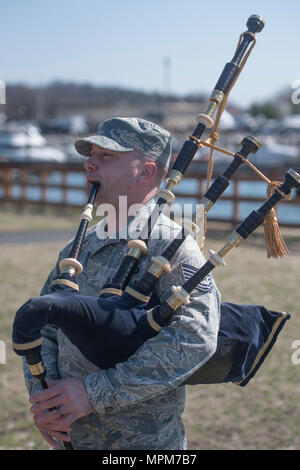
275, 244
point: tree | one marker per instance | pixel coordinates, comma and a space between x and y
267, 109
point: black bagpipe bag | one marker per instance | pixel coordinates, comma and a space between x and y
246, 335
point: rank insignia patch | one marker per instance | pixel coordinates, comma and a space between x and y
205, 285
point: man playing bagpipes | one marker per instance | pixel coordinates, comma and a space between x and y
137, 404
120, 358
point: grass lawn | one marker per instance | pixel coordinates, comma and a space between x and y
263, 415
35, 218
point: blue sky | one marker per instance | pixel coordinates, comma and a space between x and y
124, 43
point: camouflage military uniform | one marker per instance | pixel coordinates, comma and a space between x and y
139, 403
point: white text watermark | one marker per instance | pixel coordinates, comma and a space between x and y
2, 92
296, 354
295, 96
2, 352
139, 221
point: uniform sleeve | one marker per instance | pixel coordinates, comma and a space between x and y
168, 359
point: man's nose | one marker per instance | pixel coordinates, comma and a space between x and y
89, 164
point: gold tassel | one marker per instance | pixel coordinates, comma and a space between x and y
274, 242
273, 239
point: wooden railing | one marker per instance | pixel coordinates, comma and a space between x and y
22, 176
244, 174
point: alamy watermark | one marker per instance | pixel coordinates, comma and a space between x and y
2, 352
2, 92
296, 354
133, 222
295, 96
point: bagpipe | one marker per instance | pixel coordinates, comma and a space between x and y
108, 329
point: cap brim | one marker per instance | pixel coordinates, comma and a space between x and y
84, 146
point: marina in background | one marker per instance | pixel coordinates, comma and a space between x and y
63, 185
39, 164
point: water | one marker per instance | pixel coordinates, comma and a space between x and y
286, 213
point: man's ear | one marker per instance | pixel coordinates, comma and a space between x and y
148, 172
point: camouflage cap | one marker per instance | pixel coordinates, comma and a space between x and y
127, 134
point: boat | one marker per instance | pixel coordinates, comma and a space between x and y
24, 142
273, 153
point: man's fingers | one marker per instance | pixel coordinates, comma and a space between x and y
54, 389
66, 421
46, 404
50, 436
48, 416
53, 431
52, 383
53, 420
70, 399
59, 427
52, 416
61, 436
67, 409
49, 439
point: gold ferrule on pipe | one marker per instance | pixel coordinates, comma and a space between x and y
36, 369
211, 108
217, 96
174, 176
215, 99
174, 302
69, 270
156, 270
70, 266
135, 252
170, 184
234, 240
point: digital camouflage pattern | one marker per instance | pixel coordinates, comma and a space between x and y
139, 403
128, 134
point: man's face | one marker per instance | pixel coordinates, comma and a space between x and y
117, 173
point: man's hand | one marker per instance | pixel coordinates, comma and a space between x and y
47, 422
69, 398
